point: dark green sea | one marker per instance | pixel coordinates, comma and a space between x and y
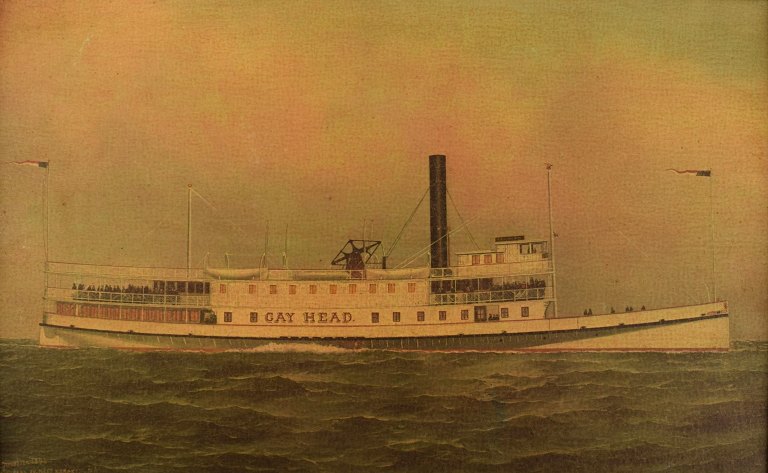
94, 410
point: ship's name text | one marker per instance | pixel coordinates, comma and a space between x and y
309, 317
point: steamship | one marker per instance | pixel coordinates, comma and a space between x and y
501, 298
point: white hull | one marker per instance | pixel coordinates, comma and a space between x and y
689, 328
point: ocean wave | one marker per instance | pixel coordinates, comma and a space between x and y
292, 348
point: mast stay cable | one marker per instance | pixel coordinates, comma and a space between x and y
399, 235
471, 237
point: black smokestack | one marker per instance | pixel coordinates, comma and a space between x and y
438, 216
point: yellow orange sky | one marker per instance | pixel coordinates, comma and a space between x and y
319, 115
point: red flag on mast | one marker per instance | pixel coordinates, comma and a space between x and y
697, 172
40, 164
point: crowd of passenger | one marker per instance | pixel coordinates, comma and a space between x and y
129, 289
484, 285
130, 293
628, 308
531, 284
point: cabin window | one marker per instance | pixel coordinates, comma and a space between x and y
227, 316
525, 249
251, 289
465, 314
391, 288
222, 288
313, 289
487, 259
352, 289
475, 259
504, 312
273, 289
420, 316
374, 317
292, 289
499, 257
254, 317
411, 287
332, 289
442, 315
524, 311
372, 288
395, 316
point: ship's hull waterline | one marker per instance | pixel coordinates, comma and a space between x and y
709, 332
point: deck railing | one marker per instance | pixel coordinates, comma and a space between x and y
492, 270
490, 296
132, 298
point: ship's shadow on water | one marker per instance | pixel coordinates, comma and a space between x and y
325, 410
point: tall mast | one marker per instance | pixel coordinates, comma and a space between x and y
189, 229
712, 226
45, 224
45, 211
551, 239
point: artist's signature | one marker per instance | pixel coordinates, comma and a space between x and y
38, 465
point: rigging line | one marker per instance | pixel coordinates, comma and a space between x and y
428, 247
472, 238
397, 238
648, 258
225, 219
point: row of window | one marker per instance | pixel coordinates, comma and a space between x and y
443, 315
488, 259
420, 315
332, 288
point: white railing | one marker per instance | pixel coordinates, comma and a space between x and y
493, 270
491, 296
70, 295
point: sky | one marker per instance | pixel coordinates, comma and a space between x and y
315, 120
